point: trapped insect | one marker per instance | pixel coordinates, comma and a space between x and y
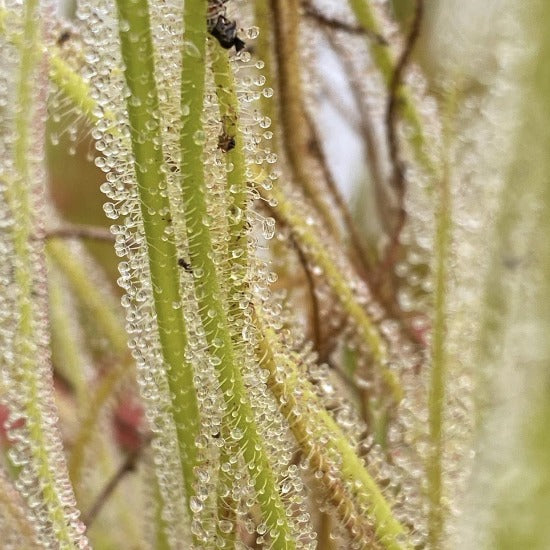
220, 27
186, 265
64, 37
226, 142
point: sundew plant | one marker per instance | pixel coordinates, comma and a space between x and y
279, 366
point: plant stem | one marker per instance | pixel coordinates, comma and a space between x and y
353, 467
398, 179
61, 73
88, 295
238, 243
73, 231
239, 418
264, 50
360, 253
74, 87
297, 134
127, 466
237, 188
332, 24
308, 421
29, 372
143, 106
68, 359
514, 447
365, 128
436, 397
66, 351
110, 326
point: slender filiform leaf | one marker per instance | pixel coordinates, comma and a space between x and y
36, 451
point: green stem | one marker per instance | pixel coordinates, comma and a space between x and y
229, 113
66, 351
381, 54
515, 368
61, 73
240, 416
237, 250
352, 465
92, 300
264, 51
436, 397
236, 177
143, 106
74, 88
109, 325
29, 372
308, 420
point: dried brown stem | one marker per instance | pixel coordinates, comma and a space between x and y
392, 112
127, 466
360, 252
366, 130
313, 12
296, 131
315, 311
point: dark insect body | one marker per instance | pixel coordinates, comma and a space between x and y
185, 265
226, 142
220, 27
63, 37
